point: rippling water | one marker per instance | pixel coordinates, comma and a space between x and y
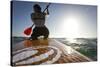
86, 46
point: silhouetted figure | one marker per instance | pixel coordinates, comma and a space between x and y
38, 19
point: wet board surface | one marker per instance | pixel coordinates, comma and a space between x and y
48, 51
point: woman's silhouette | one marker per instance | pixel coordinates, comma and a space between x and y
38, 19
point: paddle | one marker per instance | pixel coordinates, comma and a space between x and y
28, 30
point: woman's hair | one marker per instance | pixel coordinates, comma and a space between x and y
37, 8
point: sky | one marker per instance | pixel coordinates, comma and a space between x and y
65, 20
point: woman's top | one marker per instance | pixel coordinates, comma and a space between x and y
38, 19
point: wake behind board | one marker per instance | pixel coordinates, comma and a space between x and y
48, 51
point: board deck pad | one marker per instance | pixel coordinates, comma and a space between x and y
48, 51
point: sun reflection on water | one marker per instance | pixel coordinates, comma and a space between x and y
71, 40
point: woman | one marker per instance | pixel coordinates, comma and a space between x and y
38, 19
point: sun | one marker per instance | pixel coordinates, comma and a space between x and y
70, 27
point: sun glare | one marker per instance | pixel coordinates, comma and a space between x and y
70, 27
71, 40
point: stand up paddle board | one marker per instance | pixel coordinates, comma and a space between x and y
51, 51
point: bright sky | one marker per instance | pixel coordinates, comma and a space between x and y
65, 20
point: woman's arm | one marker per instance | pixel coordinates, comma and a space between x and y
46, 12
46, 9
32, 16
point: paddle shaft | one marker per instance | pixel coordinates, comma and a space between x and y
47, 7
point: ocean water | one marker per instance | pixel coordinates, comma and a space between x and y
15, 41
86, 46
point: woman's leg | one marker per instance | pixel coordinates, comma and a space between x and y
45, 32
40, 31
34, 34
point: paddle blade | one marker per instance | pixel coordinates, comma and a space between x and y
28, 31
